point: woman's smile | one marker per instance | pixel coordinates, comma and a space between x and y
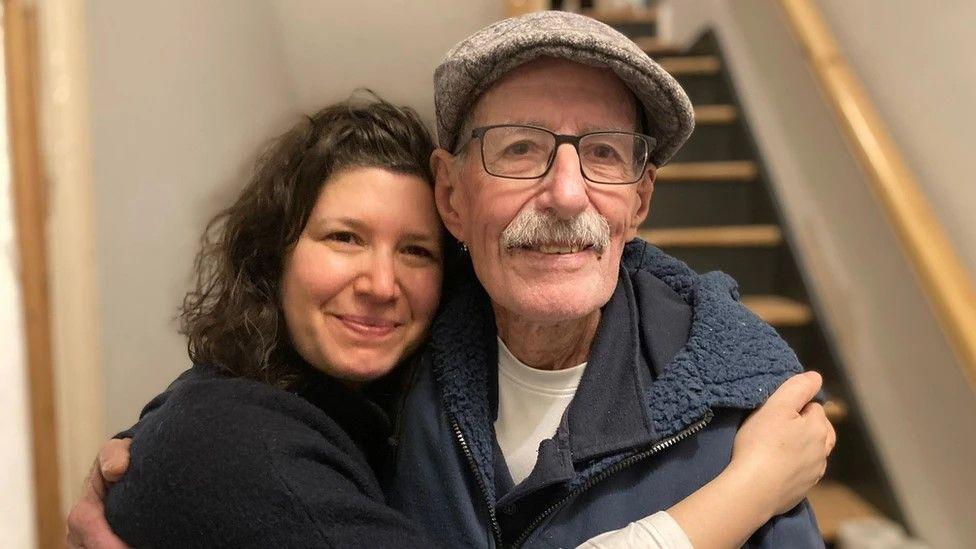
368, 327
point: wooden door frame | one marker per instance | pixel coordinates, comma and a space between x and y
29, 191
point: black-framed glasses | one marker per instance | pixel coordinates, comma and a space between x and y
516, 151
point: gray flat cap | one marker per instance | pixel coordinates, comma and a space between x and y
475, 63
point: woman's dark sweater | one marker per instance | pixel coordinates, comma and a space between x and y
228, 462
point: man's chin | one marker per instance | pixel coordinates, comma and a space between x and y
560, 301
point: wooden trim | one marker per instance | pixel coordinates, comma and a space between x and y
778, 311
834, 503
30, 209
725, 170
715, 114
729, 236
943, 278
685, 65
654, 46
623, 16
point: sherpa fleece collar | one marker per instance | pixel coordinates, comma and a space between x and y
731, 359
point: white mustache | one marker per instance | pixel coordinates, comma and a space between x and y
532, 229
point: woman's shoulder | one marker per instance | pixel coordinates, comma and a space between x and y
230, 414
232, 450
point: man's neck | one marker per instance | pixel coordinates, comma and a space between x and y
547, 346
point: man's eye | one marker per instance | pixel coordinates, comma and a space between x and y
519, 148
603, 152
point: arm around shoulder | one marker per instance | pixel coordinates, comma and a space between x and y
234, 463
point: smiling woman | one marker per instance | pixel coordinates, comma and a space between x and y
330, 257
362, 283
324, 275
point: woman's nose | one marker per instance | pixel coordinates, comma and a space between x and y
378, 281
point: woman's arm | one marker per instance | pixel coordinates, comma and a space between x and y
779, 453
759, 483
235, 463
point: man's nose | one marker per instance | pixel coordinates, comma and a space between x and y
377, 281
565, 192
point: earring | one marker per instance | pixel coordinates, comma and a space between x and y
464, 247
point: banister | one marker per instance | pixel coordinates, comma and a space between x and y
946, 283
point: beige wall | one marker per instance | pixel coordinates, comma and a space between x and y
917, 403
182, 94
915, 59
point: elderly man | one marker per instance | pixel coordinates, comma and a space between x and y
642, 369
551, 127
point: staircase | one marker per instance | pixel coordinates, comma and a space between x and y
713, 208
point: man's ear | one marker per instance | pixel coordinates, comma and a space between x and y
447, 195
645, 188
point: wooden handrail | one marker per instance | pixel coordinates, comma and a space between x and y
30, 205
946, 283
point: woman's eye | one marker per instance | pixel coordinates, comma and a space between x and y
344, 237
419, 251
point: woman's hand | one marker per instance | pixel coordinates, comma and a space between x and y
781, 449
87, 527
779, 454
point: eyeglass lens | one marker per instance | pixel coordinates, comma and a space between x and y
525, 153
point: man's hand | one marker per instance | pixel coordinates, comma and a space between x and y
87, 527
783, 445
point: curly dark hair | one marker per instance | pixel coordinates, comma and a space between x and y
233, 318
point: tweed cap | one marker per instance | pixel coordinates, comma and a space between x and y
475, 63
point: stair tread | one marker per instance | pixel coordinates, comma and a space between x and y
652, 45
623, 16
690, 64
833, 503
715, 114
729, 236
836, 410
729, 170
778, 310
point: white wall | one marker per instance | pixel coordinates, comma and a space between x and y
182, 94
17, 521
917, 403
391, 46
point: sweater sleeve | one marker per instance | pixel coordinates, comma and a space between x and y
235, 463
192, 375
657, 531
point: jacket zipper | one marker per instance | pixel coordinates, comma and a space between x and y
496, 529
619, 466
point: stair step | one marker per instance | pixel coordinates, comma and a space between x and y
836, 411
779, 311
654, 46
623, 16
683, 65
730, 236
730, 170
833, 503
715, 114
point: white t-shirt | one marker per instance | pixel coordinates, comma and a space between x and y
531, 404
